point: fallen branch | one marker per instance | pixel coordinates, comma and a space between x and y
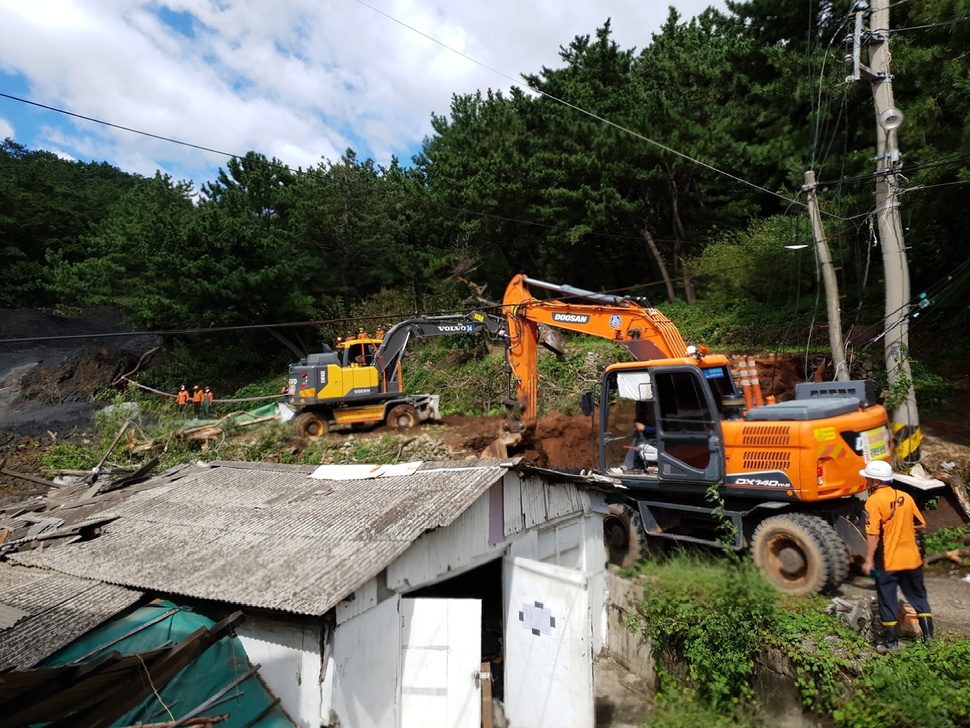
954, 555
123, 377
959, 490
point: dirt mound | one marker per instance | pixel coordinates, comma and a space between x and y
559, 441
51, 365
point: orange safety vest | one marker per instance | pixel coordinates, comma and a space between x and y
208, 396
183, 397
197, 396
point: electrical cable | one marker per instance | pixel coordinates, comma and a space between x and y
574, 107
123, 128
941, 24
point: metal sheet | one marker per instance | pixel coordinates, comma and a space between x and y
268, 537
58, 609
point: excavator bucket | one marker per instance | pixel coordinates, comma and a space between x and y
553, 340
499, 448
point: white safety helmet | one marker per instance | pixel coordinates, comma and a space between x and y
878, 470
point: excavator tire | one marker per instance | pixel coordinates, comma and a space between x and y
402, 416
625, 536
836, 553
792, 554
310, 425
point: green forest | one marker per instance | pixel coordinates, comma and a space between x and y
672, 172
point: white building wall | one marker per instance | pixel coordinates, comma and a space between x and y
557, 524
449, 551
289, 655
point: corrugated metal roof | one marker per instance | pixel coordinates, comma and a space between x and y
268, 536
58, 609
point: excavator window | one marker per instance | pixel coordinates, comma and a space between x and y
682, 404
358, 354
630, 400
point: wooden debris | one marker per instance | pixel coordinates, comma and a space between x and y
959, 490
22, 476
204, 721
97, 468
954, 555
122, 377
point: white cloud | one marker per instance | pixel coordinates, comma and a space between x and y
300, 80
6, 129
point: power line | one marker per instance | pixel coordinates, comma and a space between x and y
119, 126
902, 170
955, 21
581, 110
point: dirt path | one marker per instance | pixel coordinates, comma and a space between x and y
948, 587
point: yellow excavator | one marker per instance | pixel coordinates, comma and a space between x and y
359, 382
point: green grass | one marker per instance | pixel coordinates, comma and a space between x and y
710, 618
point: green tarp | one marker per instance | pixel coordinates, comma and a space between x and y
210, 673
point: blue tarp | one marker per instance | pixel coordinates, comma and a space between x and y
210, 673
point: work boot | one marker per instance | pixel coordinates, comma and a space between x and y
926, 627
888, 641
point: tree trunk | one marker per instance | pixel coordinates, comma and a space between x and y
285, 341
655, 252
680, 236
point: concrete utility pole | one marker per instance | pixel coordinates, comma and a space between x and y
828, 278
904, 415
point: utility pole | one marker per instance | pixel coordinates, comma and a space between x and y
902, 396
828, 278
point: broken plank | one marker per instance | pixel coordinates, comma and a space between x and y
23, 476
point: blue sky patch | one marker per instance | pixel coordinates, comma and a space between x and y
182, 22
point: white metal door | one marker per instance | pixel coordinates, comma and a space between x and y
548, 633
441, 651
366, 655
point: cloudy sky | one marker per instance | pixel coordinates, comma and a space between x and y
298, 80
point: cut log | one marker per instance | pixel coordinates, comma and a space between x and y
959, 490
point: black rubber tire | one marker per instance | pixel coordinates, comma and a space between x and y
310, 425
624, 535
791, 554
402, 416
836, 552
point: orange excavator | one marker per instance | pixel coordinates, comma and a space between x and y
672, 429
644, 332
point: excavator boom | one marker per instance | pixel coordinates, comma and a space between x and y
644, 331
388, 356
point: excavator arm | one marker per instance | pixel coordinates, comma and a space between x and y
388, 356
645, 332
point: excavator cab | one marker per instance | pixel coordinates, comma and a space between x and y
677, 405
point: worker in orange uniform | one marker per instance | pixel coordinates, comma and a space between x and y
197, 400
207, 398
893, 555
182, 399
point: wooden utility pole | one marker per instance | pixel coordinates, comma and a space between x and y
828, 278
902, 396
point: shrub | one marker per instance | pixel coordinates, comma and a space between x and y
920, 686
